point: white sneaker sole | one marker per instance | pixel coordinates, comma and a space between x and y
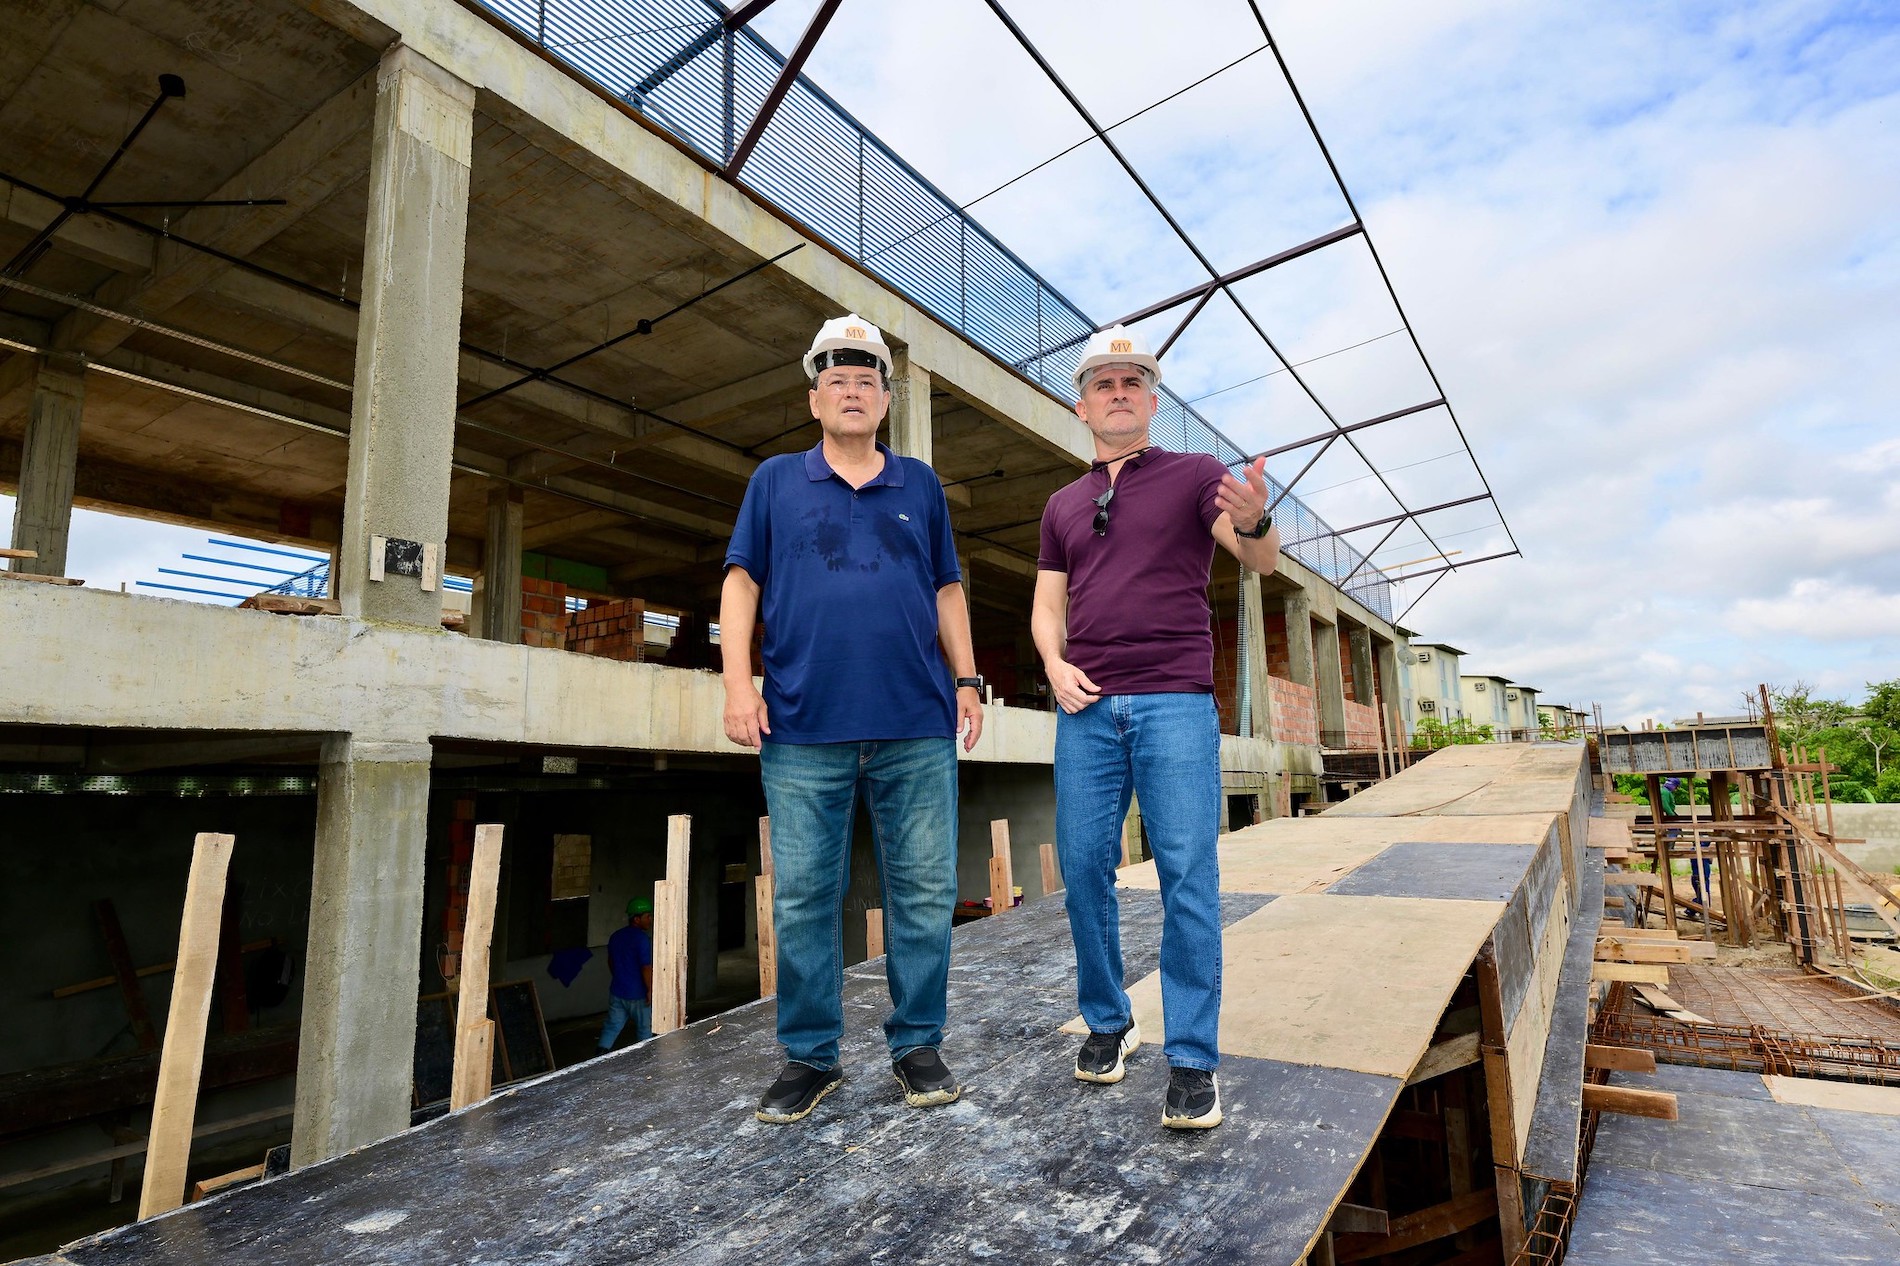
1206, 1121
1131, 1042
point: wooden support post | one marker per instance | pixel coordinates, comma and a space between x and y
1827, 796
874, 932
123, 970
175, 1105
762, 904
1128, 847
1002, 895
669, 922
1620, 1058
473, 1074
1051, 871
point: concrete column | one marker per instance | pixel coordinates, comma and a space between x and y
1253, 656
1392, 681
1299, 637
911, 432
1331, 687
501, 568
402, 418
49, 459
362, 975
1359, 642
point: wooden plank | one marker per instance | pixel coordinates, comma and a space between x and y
19, 553
1002, 884
136, 1146
175, 1106
1128, 848
669, 951
1634, 879
120, 955
1051, 870
762, 907
212, 1186
1634, 973
1443, 1057
1424, 1227
1629, 1101
106, 982
1620, 1058
1837, 1095
473, 1073
874, 932
1616, 949
43, 580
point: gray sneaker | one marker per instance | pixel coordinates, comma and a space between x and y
1101, 1056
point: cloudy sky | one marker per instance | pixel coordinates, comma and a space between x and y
1651, 249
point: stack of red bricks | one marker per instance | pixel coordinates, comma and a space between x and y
1362, 727
611, 630
543, 613
1295, 712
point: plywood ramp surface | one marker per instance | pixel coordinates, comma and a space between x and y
1843, 1096
1295, 855
1476, 780
1338, 982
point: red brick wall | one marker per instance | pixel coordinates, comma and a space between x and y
611, 630
1362, 727
1345, 666
1279, 663
1295, 712
543, 613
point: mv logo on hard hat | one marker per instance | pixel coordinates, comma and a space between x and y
1122, 345
854, 331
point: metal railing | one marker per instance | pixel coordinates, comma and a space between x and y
670, 60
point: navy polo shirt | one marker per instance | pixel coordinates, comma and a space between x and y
849, 580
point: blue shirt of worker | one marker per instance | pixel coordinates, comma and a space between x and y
849, 580
628, 951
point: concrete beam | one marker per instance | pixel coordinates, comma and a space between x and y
1298, 606
95, 240
1359, 645
599, 137
1253, 618
49, 461
402, 413
355, 1059
910, 424
1331, 688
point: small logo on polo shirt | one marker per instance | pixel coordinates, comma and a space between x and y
904, 517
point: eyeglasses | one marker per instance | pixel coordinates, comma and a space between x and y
1101, 511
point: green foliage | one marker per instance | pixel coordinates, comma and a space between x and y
1431, 733
1863, 741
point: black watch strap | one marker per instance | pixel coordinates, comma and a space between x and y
975, 683
1260, 529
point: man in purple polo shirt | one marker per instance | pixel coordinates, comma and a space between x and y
1122, 623
847, 552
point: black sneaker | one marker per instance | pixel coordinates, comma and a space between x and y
926, 1080
796, 1092
1101, 1056
1193, 1100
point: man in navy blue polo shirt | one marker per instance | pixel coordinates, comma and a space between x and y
846, 551
1122, 623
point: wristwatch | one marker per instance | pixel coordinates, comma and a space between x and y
975, 683
1260, 529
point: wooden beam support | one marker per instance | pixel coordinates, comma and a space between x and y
1424, 1227
472, 1076
669, 924
175, 1106
1051, 870
1002, 885
762, 904
1619, 1058
1657, 1104
1634, 973
1443, 1057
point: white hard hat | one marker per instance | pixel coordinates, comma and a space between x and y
848, 333
1117, 345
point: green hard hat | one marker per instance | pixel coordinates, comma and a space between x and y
639, 905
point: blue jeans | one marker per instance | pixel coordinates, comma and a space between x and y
1165, 749
812, 791
619, 1011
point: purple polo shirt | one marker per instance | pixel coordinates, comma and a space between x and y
1139, 623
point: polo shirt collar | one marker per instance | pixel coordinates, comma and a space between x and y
817, 469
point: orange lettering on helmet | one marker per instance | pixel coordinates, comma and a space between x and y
1122, 345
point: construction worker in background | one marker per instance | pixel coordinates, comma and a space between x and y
630, 959
1122, 623
870, 675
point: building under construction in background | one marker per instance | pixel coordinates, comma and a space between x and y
516, 292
